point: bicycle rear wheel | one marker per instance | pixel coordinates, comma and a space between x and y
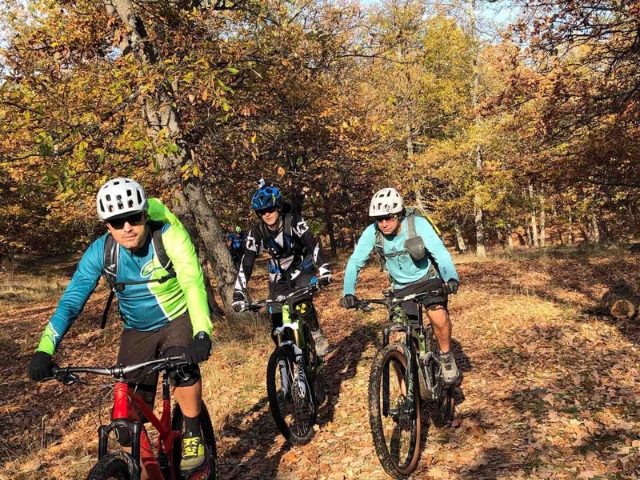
177, 423
395, 424
291, 397
110, 467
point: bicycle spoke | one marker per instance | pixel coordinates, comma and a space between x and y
397, 425
395, 421
290, 397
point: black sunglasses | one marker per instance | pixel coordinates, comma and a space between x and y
134, 220
264, 211
388, 218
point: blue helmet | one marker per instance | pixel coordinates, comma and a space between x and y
266, 197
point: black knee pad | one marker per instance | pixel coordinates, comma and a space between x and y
185, 375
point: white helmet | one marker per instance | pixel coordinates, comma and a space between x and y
386, 202
120, 197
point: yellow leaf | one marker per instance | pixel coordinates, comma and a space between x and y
281, 171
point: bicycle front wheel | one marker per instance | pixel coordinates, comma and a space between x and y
110, 467
291, 397
395, 421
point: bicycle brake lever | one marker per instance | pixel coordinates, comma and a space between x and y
65, 378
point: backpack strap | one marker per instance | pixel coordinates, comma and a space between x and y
158, 246
287, 233
411, 226
111, 260
411, 233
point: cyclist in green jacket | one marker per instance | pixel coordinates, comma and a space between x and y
164, 307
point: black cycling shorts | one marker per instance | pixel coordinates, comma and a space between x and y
410, 307
172, 339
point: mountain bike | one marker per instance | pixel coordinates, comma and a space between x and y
295, 380
403, 373
165, 463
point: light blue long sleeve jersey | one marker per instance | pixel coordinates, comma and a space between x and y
402, 268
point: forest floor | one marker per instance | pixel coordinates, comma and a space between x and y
551, 388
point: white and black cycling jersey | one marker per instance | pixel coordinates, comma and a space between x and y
293, 249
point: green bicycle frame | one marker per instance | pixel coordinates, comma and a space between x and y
286, 318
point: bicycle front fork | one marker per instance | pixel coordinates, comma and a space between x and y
408, 407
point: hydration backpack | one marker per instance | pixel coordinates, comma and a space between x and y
111, 253
414, 245
269, 244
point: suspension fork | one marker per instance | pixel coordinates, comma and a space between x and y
385, 376
409, 407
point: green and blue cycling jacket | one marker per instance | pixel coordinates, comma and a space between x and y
402, 268
145, 306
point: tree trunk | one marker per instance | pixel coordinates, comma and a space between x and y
328, 220
621, 301
529, 236
409, 134
179, 207
543, 226
534, 227
477, 199
509, 237
460, 245
570, 239
479, 222
594, 230
162, 118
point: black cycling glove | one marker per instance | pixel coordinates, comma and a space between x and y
41, 366
200, 348
451, 286
349, 301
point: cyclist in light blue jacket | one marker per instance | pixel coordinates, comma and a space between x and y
417, 261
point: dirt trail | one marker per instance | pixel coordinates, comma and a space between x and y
550, 388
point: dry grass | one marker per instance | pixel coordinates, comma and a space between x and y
547, 383
21, 289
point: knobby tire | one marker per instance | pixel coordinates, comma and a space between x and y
110, 467
298, 431
393, 356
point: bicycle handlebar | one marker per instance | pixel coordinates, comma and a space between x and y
67, 376
280, 299
390, 301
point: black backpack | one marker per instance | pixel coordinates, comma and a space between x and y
287, 213
110, 272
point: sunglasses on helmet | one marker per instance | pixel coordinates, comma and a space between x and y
134, 220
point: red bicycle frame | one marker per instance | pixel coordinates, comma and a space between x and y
141, 452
